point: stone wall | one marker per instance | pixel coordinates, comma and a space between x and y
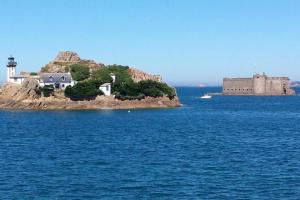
274, 86
237, 86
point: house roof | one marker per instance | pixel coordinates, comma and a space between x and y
56, 78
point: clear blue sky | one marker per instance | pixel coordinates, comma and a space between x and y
186, 41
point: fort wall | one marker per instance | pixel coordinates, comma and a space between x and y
257, 85
236, 86
274, 86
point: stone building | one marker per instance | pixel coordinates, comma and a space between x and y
257, 85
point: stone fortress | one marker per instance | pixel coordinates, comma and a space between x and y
258, 85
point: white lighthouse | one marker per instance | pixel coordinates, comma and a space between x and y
11, 69
11, 72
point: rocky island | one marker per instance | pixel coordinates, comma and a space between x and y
71, 83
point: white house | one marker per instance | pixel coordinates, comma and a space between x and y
11, 72
57, 80
106, 89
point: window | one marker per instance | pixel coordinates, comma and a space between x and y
51, 78
63, 85
63, 78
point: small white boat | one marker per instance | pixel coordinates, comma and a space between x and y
205, 96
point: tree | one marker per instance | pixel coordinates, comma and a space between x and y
47, 90
102, 74
120, 71
156, 89
33, 73
79, 72
85, 90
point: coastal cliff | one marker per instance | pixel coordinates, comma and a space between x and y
131, 89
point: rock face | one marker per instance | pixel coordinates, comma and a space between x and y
67, 58
29, 90
138, 75
99, 103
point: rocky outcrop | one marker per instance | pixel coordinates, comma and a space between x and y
29, 90
67, 58
138, 75
99, 103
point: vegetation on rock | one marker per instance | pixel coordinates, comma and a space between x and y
33, 74
85, 90
79, 72
47, 90
123, 88
131, 90
120, 71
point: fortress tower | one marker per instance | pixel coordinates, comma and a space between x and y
259, 84
11, 68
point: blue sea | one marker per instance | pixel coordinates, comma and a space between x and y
219, 148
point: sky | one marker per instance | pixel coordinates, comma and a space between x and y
188, 42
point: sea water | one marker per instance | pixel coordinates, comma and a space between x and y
219, 148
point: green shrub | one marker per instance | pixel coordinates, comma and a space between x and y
33, 74
120, 71
128, 88
102, 74
79, 72
67, 69
156, 89
47, 90
126, 97
131, 90
86, 90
